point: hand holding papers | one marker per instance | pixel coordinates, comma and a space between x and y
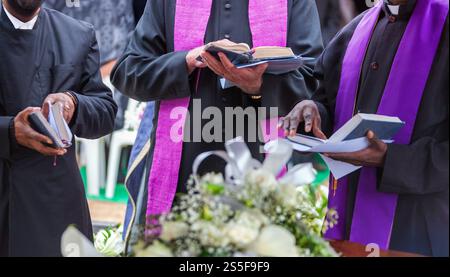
338, 168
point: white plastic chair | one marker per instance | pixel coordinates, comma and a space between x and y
93, 156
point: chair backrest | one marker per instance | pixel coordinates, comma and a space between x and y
133, 115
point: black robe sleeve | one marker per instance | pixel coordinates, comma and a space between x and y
422, 167
5, 122
305, 38
411, 169
148, 71
96, 108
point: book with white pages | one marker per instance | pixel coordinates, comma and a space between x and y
55, 127
350, 138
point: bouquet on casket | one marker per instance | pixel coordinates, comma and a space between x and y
246, 213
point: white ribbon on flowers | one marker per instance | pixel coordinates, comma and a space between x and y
240, 162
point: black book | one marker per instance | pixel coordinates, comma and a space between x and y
55, 128
385, 127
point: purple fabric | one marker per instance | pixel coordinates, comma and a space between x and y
351, 68
268, 22
163, 179
189, 34
374, 211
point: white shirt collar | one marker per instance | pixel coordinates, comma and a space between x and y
394, 9
19, 24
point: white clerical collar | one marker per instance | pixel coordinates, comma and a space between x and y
394, 9
19, 24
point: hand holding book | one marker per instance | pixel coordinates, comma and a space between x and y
27, 137
248, 79
280, 59
64, 100
267, 59
46, 129
362, 141
54, 125
192, 60
372, 156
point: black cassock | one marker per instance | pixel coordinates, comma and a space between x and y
417, 172
330, 18
151, 71
38, 200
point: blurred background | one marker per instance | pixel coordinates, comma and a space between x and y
103, 163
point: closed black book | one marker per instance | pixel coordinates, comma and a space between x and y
385, 127
40, 124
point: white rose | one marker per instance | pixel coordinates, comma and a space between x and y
252, 218
173, 230
156, 250
241, 235
213, 178
287, 195
262, 179
210, 234
275, 241
109, 243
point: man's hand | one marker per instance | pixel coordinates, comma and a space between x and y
305, 111
67, 104
27, 137
372, 156
191, 59
248, 79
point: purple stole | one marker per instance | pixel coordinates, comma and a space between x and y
268, 22
374, 211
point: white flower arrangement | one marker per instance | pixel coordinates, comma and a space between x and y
260, 218
249, 213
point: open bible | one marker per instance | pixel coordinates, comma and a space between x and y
280, 60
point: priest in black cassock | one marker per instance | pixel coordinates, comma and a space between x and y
45, 57
392, 60
161, 65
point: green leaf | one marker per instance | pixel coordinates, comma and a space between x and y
206, 214
249, 203
214, 189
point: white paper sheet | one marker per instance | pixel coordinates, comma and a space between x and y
52, 121
339, 147
338, 168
